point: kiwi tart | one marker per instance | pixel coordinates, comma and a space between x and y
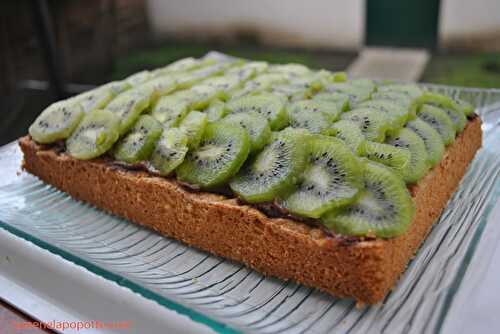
317, 146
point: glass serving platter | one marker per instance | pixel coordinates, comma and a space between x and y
229, 297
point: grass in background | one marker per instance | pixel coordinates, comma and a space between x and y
171, 51
481, 70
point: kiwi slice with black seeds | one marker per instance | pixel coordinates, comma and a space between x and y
331, 179
169, 110
94, 99
365, 83
199, 96
340, 99
398, 158
403, 100
397, 114
357, 94
411, 90
290, 70
128, 106
56, 122
374, 125
432, 140
170, 151
331, 109
439, 121
350, 134
216, 111
269, 106
158, 87
186, 80
257, 127
383, 209
138, 144
193, 125
224, 85
116, 87
184, 65
275, 171
95, 135
307, 115
261, 83
419, 161
465, 106
219, 156
454, 112
290, 92
138, 78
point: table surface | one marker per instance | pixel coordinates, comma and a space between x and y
10, 316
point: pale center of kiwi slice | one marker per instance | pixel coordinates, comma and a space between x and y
264, 163
210, 152
318, 176
94, 135
369, 202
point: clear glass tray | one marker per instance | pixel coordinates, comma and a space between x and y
229, 297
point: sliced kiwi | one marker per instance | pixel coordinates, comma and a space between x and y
193, 125
216, 111
307, 115
331, 179
242, 73
357, 94
220, 155
186, 80
331, 109
308, 85
185, 65
269, 106
350, 134
454, 112
374, 125
248, 70
199, 96
419, 162
384, 209
397, 114
465, 106
395, 96
401, 99
96, 98
290, 92
439, 121
398, 158
159, 86
290, 70
170, 151
432, 140
140, 141
258, 66
128, 106
138, 78
365, 83
116, 87
95, 135
225, 86
56, 122
275, 171
411, 90
340, 99
169, 110
266, 80
257, 127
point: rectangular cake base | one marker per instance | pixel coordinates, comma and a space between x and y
365, 270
